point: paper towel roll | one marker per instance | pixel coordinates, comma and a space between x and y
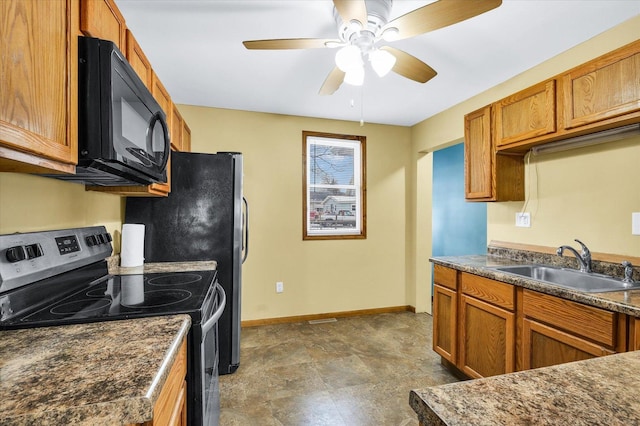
132, 251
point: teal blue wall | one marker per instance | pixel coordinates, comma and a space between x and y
459, 227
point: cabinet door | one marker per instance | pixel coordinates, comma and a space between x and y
544, 346
526, 114
138, 60
604, 88
186, 137
102, 19
487, 339
478, 155
445, 311
38, 101
176, 128
162, 97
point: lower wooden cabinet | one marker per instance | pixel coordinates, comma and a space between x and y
487, 325
544, 346
556, 331
481, 325
487, 339
445, 308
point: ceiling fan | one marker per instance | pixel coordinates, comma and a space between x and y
362, 24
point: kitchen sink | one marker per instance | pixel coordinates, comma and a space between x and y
569, 278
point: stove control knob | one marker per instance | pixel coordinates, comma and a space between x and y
107, 237
91, 240
16, 254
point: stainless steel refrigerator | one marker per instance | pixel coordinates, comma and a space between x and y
203, 218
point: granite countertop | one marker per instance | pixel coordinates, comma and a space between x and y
626, 302
599, 391
113, 263
103, 373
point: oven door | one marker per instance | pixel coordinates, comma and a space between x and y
209, 355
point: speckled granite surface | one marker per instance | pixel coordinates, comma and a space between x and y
105, 373
113, 263
626, 302
599, 391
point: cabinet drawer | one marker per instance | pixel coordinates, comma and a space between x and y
593, 323
491, 291
445, 277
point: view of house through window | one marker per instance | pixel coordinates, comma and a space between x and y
334, 186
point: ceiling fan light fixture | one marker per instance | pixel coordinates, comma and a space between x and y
355, 76
349, 58
390, 34
382, 61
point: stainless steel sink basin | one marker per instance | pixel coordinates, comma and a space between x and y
576, 280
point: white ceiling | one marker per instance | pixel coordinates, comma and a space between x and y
196, 49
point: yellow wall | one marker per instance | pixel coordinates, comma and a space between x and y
587, 194
318, 276
33, 203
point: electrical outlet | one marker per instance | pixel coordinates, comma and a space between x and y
635, 223
279, 287
523, 220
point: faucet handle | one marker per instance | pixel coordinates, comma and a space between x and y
628, 272
585, 249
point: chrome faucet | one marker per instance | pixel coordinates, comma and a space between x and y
584, 258
628, 272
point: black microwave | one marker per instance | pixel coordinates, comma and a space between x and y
123, 138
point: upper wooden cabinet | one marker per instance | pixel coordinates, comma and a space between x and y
176, 128
527, 114
489, 176
186, 137
602, 89
38, 105
138, 60
599, 95
102, 19
162, 97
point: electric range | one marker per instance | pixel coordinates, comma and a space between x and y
61, 277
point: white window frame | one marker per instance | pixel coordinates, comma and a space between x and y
358, 144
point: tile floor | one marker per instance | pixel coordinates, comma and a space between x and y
355, 371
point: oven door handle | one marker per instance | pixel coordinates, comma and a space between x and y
222, 302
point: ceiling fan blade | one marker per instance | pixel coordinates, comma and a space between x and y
352, 9
290, 43
439, 14
409, 66
332, 82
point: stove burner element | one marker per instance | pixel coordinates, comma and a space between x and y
175, 279
77, 306
155, 298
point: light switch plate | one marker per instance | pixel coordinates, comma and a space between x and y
635, 223
523, 220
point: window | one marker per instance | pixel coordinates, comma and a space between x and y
334, 186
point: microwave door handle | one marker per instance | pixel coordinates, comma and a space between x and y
245, 220
222, 298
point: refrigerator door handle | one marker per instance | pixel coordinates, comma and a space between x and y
245, 242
